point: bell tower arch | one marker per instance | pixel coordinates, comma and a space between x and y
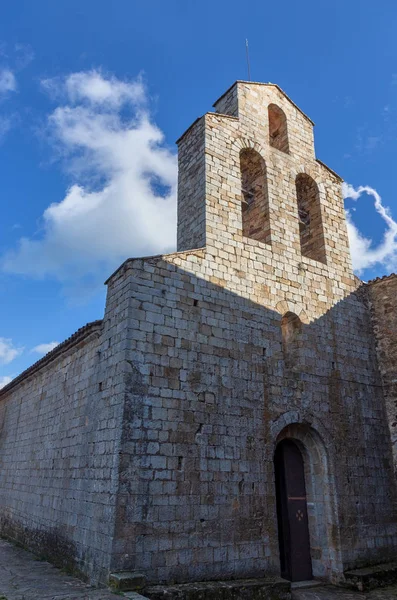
294, 211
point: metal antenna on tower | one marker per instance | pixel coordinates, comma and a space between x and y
248, 60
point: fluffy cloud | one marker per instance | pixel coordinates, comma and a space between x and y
364, 254
8, 351
91, 87
44, 348
4, 380
122, 199
8, 82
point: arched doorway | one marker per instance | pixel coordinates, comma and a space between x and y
317, 449
292, 517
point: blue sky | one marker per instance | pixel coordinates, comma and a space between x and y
93, 95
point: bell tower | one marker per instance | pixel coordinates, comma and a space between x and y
249, 178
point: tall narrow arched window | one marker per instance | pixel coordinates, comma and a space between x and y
278, 131
291, 332
310, 223
254, 196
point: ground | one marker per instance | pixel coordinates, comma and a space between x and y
24, 577
328, 592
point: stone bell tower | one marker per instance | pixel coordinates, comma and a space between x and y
248, 175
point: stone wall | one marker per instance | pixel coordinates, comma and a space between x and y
191, 189
211, 391
60, 425
383, 298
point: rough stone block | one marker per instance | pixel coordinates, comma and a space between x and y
369, 578
127, 582
272, 588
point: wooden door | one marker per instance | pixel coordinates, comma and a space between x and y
293, 525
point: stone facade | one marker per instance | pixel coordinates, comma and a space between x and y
58, 455
164, 432
383, 302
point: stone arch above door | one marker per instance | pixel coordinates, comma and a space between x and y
315, 443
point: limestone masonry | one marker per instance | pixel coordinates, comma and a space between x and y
160, 440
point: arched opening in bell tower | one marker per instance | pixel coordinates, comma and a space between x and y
254, 196
278, 131
311, 230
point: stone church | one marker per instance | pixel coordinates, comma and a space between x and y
234, 413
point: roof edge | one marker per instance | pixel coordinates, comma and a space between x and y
383, 278
266, 84
188, 129
329, 169
195, 251
74, 339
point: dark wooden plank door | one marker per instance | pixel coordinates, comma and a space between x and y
293, 525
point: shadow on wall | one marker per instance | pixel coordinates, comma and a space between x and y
210, 382
231, 382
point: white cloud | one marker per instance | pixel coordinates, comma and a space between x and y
8, 352
122, 199
44, 348
92, 87
8, 82
5, 380
364, 254
95, 88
